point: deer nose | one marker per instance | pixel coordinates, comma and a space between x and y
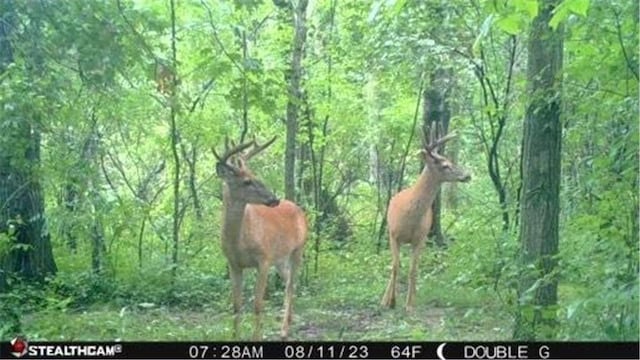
273, 202
466, 178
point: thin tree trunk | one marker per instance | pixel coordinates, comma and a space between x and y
70, 199
90, 160
497, 121
190, 158
295, 96
98, 247
451, 195
387, 184
174, 146
245, 88
540, 203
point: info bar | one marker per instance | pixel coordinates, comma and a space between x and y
20, 348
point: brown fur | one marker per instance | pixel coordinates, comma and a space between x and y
258, 231
409, 219
267, 234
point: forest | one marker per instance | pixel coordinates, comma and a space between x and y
126, 128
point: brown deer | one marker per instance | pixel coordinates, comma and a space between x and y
258, 231
409, 215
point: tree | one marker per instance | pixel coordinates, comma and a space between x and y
80, 193
22, 219
540, 200
299, 15
435, 124
174, 145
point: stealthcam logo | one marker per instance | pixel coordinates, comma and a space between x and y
19, 347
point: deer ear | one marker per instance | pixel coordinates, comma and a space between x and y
223, 170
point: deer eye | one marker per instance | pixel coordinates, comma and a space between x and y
247, 182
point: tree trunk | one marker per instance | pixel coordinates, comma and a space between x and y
89, 161
70, 200
22, 219
190, 159
295, 97
98, 247
540, 206
174, 146
435, 123
81, 178
451, 194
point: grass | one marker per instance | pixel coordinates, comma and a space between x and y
336, 299
339, 322
338, 302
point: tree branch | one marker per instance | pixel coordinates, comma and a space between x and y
628, 61
217, 39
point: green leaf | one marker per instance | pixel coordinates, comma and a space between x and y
375, 9
484, 30
560, 14
571, 309
510, 24
579, 7
530, 7
397, 6
567, 7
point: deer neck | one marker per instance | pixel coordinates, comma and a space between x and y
425, 190
233, 216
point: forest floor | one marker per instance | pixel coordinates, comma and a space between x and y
434, 319
330, 304
166, 323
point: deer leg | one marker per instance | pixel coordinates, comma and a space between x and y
261, 285
413, 273
294, 264
283, 270
287, 277
389, 298
236, 289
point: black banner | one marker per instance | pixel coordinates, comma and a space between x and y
21, 348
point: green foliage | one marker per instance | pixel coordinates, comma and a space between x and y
567, 7
107, 177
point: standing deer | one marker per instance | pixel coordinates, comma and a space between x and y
258, 231
409, 215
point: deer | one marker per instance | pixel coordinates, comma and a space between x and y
258, 231
409, 215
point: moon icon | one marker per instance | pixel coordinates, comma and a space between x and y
439, 351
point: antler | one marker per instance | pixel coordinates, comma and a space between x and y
230, 152
258, 148
432, 144
435, 144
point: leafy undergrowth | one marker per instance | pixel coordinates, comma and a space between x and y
338, 301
